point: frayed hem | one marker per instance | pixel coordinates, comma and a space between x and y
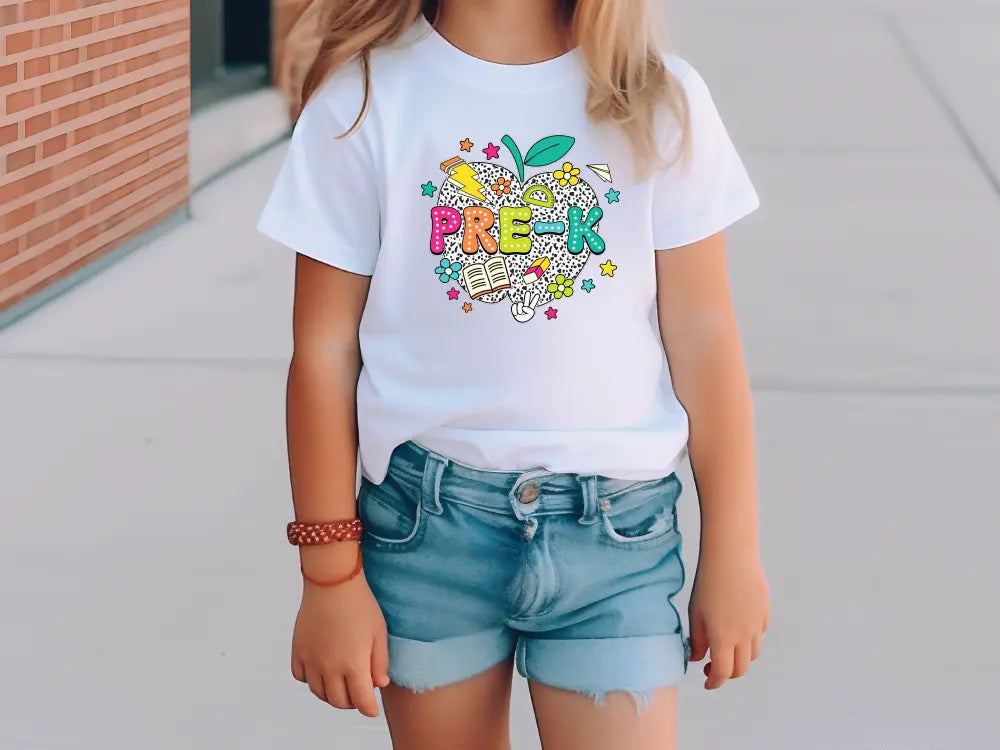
417, 690
640, 698
423, 688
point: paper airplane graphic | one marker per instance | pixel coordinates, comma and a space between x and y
601, 170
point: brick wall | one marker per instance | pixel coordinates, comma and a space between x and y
94, 108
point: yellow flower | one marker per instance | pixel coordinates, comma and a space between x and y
568, 175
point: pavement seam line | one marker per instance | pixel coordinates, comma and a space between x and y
241, 161
927, 78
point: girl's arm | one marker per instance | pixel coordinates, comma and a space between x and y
321, 409
339, 647
730, 603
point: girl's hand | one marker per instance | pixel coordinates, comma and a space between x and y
729, 612
340, 645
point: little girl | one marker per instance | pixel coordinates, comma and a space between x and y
506, 214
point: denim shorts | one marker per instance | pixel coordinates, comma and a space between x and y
573, 575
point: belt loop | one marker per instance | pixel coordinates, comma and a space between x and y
434, 467
588, 487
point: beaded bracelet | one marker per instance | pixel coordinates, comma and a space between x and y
323, 533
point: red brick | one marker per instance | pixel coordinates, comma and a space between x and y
8, 134
20, 100
86, 133
67, 220
36, 9
8, 15
8, 250
154, 9
67, 113
21, 159
54, 146
43, 232
81, 28
83, 81
107, 21
64, 6
11, 189
51, 35
98, 48
121, 94
8, 75
37, 180
92, 104
17, 217
178, 140
164, 101
141, 62
36, 124
55, 90
20, 42
37, 66
67, 58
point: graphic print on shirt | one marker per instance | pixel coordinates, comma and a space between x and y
506, 236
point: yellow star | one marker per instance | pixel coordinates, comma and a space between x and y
466, 145
608, 269
467, 307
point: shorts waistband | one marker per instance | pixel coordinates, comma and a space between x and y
526, 493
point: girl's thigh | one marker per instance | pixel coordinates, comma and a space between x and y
473, 714
572, 721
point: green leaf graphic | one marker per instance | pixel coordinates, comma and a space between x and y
549, 150
516, 153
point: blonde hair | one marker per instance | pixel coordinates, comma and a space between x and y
628, 81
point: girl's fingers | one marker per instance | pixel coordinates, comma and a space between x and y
721, 666
314, 679
380, 659
755, 648
741, 659
699, 641
362, 692
298, 670
337, 694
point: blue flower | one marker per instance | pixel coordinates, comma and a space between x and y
447, 271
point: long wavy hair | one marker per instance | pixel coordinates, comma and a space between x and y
628, 82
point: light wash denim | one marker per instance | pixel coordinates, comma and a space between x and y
574, 575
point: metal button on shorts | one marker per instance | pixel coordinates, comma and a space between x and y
529, 494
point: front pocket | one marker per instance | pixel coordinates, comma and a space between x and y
643, 517
391, 514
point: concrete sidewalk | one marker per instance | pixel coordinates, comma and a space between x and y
148, 598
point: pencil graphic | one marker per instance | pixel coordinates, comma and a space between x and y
463, 176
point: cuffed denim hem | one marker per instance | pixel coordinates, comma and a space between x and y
424, 665
598, 666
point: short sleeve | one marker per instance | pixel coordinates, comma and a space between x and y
711, 190
324, 203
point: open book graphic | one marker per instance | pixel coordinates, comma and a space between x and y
483, 278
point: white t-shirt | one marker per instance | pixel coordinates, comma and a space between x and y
511, 321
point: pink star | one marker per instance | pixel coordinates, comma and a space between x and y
551, 313
492, 152
453, 293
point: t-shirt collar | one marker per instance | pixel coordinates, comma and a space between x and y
547, 74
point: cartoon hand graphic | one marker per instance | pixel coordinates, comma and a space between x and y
525, 311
